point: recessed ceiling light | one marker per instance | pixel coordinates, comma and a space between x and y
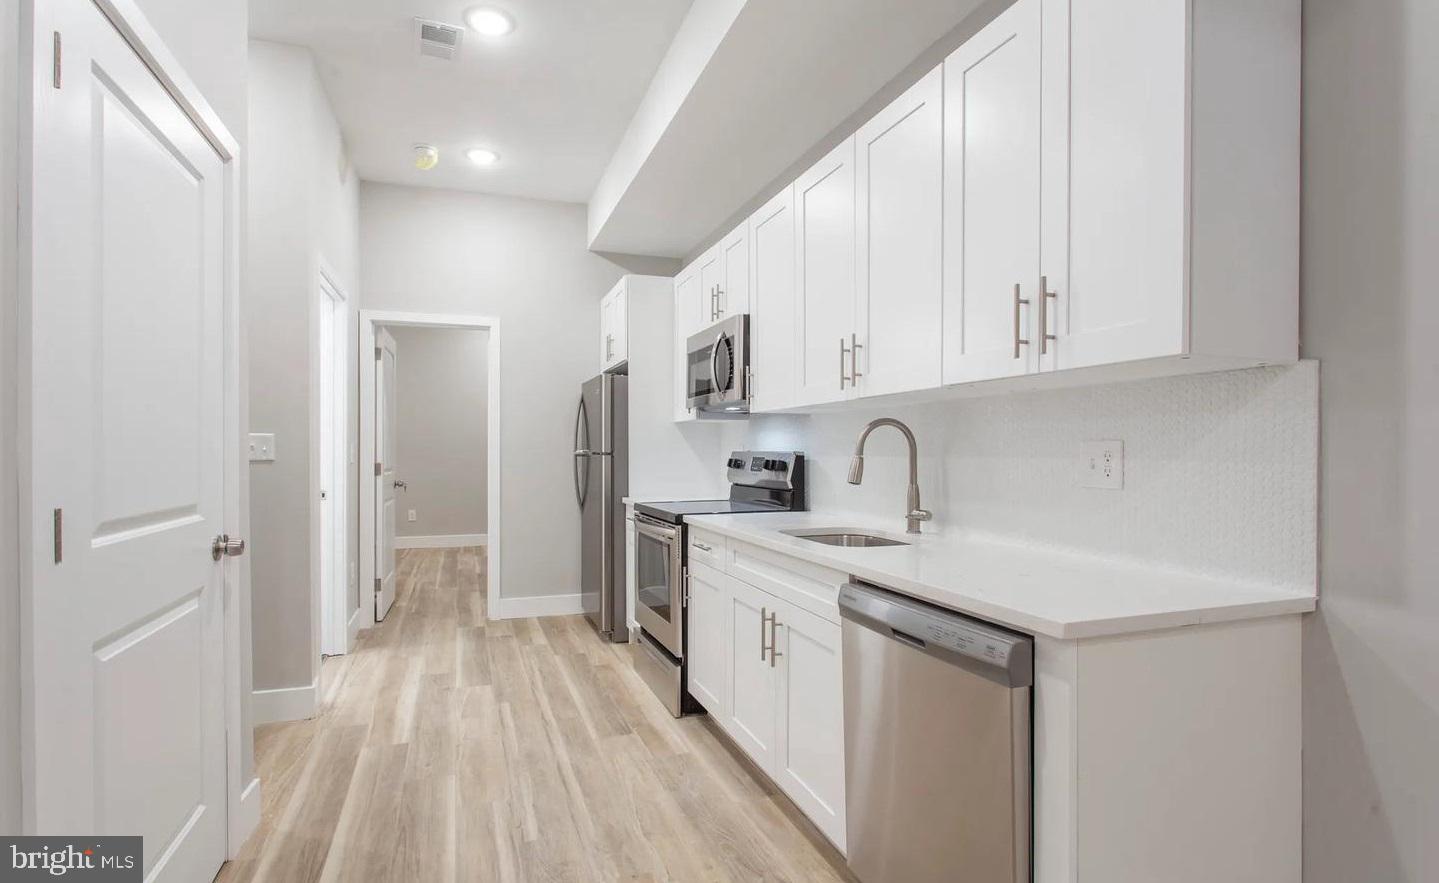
489, 21
481, 156
426, 157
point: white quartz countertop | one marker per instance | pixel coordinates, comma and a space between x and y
1040, 591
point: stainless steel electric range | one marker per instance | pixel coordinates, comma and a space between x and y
760, 481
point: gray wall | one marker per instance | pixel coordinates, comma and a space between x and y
302, 209
524, 262
211, 48
1370, 312
442, 450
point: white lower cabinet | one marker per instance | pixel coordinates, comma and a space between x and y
809, 757
709, 639
769, 672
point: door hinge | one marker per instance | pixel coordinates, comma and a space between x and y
59, 528
378, 470
378, 353
378, 584
56, 62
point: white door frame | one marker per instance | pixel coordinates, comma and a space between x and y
242, 795
332, 612
369, 319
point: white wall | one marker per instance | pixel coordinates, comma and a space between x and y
1370, 312
302, 209
442, 450
523, 261
211, 48
1219, 469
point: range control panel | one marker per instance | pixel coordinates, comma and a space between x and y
772, 469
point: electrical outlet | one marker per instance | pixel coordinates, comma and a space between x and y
262, 447
1103, 465
411, 515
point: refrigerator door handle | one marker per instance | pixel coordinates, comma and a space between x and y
582, 454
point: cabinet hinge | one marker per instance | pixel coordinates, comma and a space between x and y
56, 62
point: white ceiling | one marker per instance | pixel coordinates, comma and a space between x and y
552, 98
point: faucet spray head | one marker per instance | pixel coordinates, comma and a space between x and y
856, 469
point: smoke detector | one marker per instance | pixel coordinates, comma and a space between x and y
437, 39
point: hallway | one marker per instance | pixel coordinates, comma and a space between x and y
452, 748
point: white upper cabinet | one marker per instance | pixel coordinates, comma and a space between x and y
734, 296
772, 303
614, 327
899, 169
1171, 182
824, 278
993, 112
687, 316
711, 267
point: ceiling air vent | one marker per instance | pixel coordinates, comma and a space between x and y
438, 40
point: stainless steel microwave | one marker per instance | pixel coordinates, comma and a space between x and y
717, 369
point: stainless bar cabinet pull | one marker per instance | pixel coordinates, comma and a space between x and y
1017, 302
1045, 294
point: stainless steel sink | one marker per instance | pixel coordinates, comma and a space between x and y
846, 538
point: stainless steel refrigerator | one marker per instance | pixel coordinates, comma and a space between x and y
602, 480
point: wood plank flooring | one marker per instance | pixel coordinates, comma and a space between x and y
450, 748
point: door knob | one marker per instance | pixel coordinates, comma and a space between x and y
224, 547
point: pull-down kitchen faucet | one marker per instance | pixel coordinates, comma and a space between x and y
915, 514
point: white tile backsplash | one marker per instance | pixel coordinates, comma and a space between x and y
1220, 470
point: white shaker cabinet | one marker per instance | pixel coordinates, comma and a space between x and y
992, 130
733, 296
824, 278
687, 316
708, 648
809, 761
772, 304
899, 184
750, 718
614, 327
1171, 182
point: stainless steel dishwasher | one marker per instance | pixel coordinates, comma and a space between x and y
936, 742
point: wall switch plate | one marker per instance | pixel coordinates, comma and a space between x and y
1103, 465
411, 515
262, 447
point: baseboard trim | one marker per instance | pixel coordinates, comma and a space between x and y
247, 817
444, 541
284, 704
542, 605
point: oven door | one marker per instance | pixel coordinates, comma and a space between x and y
659, 582
717, 370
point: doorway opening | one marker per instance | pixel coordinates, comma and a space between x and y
338, 616
429, 445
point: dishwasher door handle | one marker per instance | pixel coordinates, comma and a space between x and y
905, 638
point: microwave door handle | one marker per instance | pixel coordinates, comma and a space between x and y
714, 364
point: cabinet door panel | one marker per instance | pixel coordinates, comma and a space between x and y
687, 306
620, 326
824, 275
708, 643
1115, 93
772, 303
992, 198
809, 765
751, 717
711, 273
734, 288
899, 167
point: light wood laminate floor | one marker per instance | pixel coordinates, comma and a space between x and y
453, 748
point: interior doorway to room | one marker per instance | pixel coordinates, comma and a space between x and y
338, 606
429, 392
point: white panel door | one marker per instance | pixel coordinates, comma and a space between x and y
899, 169
386, 476
712, 281
824, 277
1115, 169
809, 763
734, 258
123, 343
607, 310
708, 642
687, 307
992, 200
620, 325
772, 308
750, 720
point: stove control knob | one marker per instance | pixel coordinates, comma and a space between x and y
736, 463
781, 466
